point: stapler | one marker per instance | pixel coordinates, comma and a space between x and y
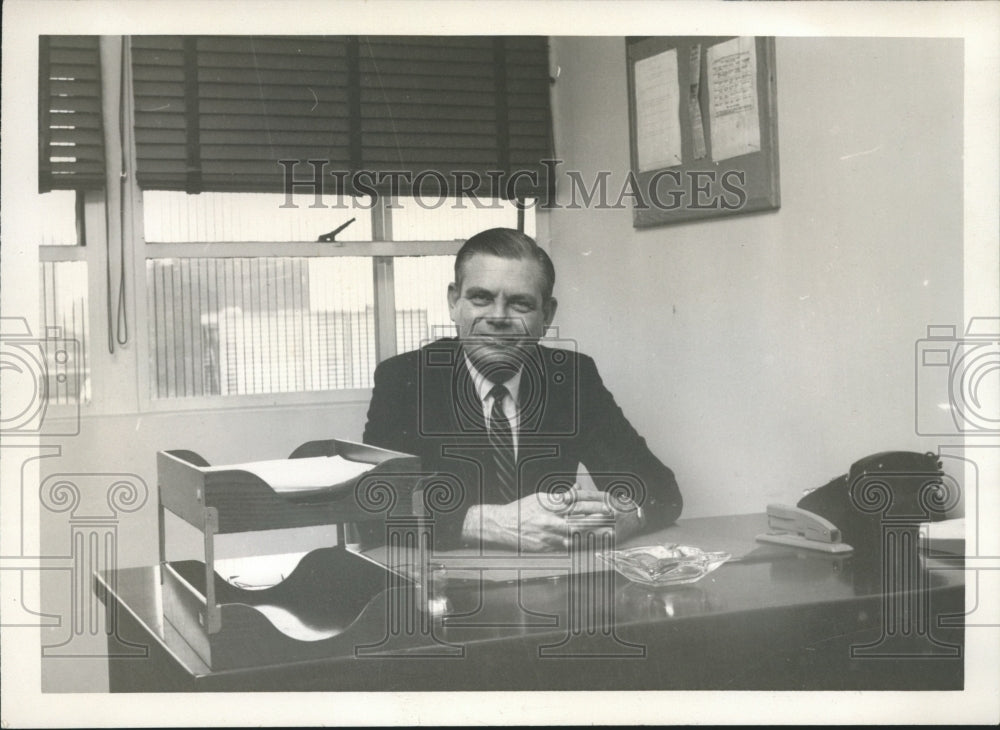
800, 528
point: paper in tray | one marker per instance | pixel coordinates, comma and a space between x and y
946, 537
295, 476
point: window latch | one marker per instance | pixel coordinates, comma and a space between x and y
331, 237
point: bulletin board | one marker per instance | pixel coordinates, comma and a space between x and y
703, 127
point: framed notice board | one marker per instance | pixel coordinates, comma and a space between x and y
703, 127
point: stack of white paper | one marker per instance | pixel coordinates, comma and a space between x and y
946, 536
299, 475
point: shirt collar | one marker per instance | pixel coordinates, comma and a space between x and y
484, 385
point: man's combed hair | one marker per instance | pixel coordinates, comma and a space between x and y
506, 243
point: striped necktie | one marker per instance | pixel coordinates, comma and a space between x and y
502, 441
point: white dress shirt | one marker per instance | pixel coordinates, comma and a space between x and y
483, 387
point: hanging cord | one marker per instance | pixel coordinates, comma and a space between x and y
122, 319
117, 316
109, 310
107, 279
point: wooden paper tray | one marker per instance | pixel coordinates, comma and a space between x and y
234, 500
333, 601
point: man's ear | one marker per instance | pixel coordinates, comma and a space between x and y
549, 310
453, 296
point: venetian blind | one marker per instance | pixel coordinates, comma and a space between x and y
70, 133
219, 113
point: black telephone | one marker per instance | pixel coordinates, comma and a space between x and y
904, 487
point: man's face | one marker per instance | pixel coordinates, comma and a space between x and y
499, 309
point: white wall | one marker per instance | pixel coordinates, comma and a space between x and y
762, 354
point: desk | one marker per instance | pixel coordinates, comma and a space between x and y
779, 620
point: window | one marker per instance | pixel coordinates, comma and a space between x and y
171, 216
243, 292
236, 326
265, 308
243, 295
421, 305
57, 218
64, 300
70, 167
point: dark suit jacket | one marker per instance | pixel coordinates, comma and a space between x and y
424, 403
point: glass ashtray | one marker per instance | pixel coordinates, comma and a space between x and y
663, 565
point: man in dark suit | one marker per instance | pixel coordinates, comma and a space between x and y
506, 420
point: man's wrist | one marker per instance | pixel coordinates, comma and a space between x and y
630, 522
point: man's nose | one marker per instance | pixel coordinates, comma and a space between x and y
500, 322
499, 314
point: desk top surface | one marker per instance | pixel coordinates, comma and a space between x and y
761, 577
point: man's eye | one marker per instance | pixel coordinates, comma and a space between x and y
479, 299
522, 307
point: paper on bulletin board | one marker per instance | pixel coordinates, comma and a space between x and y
732, 98
694, 103
657, 111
